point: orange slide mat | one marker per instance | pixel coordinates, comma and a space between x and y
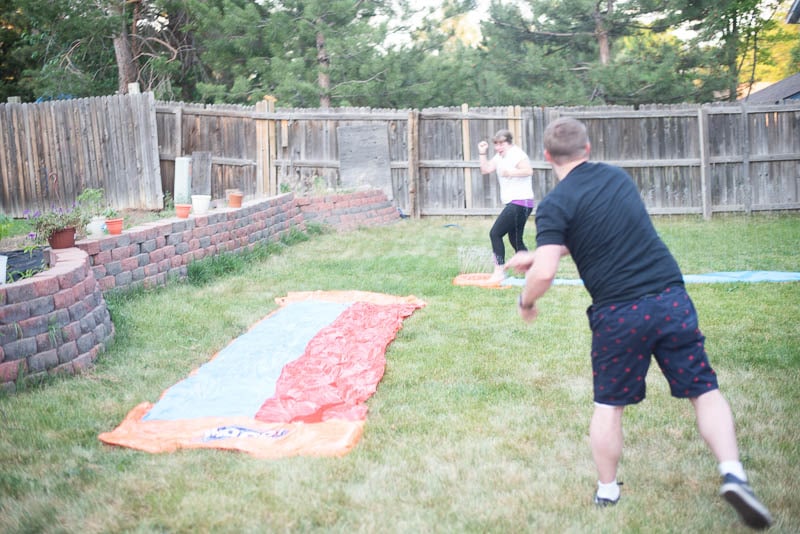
295, 383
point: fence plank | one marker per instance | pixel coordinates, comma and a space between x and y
705, 186
466, 150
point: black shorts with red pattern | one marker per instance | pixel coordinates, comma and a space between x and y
624, 336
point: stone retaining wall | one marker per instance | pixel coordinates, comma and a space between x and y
58, 321
349, 211
150, 254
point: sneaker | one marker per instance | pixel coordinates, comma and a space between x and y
497, 276
601, 502
739, 495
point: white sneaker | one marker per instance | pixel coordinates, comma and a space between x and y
498, 276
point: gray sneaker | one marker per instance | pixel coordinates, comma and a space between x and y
601, 502
740, 495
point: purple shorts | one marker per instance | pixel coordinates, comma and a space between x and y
624, 336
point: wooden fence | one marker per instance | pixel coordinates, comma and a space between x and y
685, 159
51, 151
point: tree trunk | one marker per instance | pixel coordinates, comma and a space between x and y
731, 52
127, 71
601, 31
323, 78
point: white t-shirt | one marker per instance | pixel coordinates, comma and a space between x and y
512, 187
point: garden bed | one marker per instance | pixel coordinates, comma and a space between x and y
24, 264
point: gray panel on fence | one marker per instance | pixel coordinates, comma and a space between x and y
364, 157
201, 173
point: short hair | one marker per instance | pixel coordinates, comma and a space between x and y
566, 139
502, 135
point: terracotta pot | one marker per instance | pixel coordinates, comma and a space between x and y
64, 238
235, 200
182, 210
114, 226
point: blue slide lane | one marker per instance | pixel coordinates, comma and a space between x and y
243, 375
709, 278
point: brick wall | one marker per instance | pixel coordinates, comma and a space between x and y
58, 321
150, 254
349, 211
54, 322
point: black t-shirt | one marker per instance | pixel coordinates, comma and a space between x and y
597, 213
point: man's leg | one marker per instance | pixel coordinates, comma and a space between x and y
605, 437
715, 423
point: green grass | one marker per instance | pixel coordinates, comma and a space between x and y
480, 423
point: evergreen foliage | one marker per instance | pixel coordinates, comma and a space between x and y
388, 54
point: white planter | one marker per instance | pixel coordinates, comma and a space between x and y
200, 204
3, 266
96, 226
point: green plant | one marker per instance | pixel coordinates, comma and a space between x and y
6, 225
110, 213
91, 201
45, 224
15, 276
54, 333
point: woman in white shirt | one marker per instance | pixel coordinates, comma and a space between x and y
514, 173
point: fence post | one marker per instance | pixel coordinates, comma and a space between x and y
515, 123
747, 178
265, 149
705, 166
413, 162
465, 141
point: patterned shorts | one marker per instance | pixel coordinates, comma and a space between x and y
624, 336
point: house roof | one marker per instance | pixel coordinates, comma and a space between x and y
786, 89
794, 13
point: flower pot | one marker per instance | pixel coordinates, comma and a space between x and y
63, 238
3, 266
200, 204
95, 226
114, 226
235, 200
182, 210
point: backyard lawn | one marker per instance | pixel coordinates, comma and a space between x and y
480, 423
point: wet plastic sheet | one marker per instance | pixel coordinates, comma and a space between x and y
295, 383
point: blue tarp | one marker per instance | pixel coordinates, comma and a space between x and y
708, 278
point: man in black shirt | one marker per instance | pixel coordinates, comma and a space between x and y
639, 308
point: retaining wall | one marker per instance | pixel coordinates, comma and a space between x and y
58, 321
349, 211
